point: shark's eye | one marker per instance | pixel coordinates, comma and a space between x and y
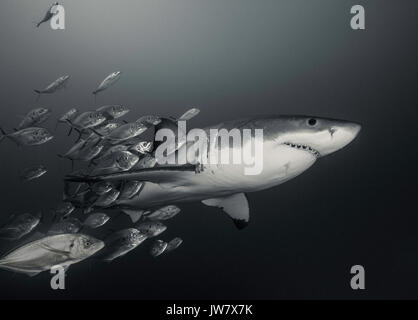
312, 122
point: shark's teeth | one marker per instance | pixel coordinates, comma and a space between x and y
303, 147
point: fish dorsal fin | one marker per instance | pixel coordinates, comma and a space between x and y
33, 237
235, 206
135, 215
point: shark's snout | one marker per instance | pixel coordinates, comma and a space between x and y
340, 135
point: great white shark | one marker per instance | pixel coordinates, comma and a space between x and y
290, 145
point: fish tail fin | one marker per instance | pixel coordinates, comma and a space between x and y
38, 92
92, 163
2, 134
80, 133
96, 132
60, 156
71, 126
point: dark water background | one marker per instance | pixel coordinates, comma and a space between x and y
233, 58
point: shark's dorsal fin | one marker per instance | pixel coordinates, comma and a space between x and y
235, 206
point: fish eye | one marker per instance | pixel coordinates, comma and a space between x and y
312, 122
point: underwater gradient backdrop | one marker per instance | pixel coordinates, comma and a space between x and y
232, 59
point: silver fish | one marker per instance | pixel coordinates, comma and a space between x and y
108, 155
189, 114
68, 225
64, 209
87, 120
101, 188
74, 150
125, 160
85, 154
143, 147
174, 244
33, 173
114, 111
126, 131
54, 86
110, 80
29, 136
158, 248
19, 226
89, 153
130, 189
152, 120
122, 242
96, 220
69, 115
106, 128
164, 213
47, 252
151, 228
147, 161
107, 199
34, 117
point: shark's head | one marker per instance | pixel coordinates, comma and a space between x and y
318, 136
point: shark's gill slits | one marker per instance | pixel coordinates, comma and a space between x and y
303, 147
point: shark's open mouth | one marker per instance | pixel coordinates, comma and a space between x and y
303, 147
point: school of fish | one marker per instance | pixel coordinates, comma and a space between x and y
105, 143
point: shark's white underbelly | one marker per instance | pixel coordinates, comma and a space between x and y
280, 164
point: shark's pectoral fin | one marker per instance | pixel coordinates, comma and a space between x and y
235, 206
